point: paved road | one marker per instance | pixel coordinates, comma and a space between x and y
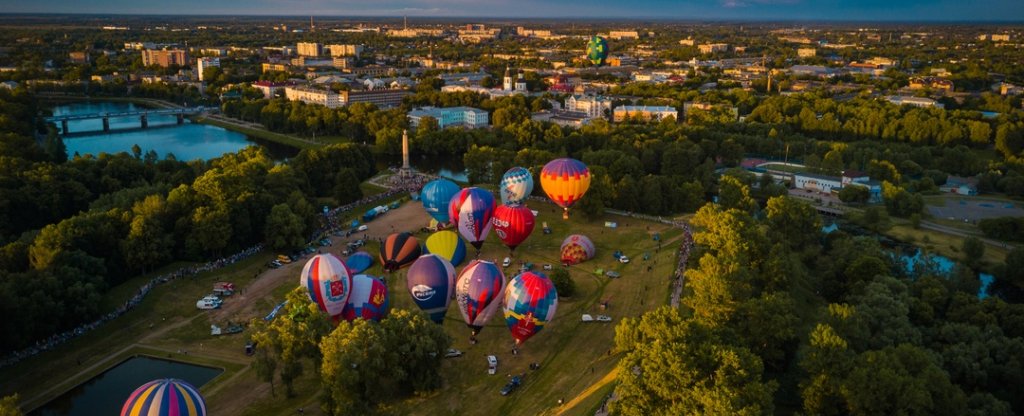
957, 232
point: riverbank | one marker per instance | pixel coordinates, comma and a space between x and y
254, 130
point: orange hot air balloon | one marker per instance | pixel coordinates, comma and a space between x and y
565, 181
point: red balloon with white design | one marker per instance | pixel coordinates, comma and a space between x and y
328, 281
512, 224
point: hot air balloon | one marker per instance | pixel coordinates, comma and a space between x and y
565, 181
478, 293
447, 244
597, 50
530, 302
435, 196
513, 224
470, 211
577, 248
369, 299
431, 280
516, 185
165, 397
358, 262
398, 251
328, 281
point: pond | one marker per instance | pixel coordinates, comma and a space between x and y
106, 393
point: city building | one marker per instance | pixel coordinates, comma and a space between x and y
820, 183
312, 62
345, 50
311, 49
1004, 88
309, 95
532, 33
563, 118
214, 51
271, 89
79, 57
995, 37
164, 58
415, 33
476, 33
806, 52
713, 47
643, 112
381, 98
914, 101
267, 67
373, 70
623, 34
451, 116
960, 185
343, 62
686, 42
934, 83
203, 63
139, 45
592, 106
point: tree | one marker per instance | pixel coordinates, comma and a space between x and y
973, 250
9, 406
901, 380
854, 194
793, 222
148, 243
293, 336
563, 282
732, 193
284, 229
346, 187
211, 230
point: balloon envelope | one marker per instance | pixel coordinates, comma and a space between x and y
328, 282
577, 248
369, 299
471, 210
530, 303
513, 224
358, 262
435, 196
565, 181
516, 185
431, 280
447, 244
478, 292
597, 50
165, 397
399, 250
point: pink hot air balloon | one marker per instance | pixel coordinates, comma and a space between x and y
478, 293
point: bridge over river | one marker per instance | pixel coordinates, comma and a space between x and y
143, 116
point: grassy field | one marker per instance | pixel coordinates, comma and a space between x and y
784, 168
260, 133
945, 244
573, 356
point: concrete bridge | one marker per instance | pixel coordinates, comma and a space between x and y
143, 116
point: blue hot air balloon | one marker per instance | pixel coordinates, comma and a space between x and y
470, 211
431, 280
436, 195
478, 293
516, 185
530, 303
358, 262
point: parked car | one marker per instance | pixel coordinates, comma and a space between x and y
507, 262
612, 274
511, 386
362, 228
452, 353
283, 259
623, 259
587, 318
274, 264
492, 364
604, 318
547, 266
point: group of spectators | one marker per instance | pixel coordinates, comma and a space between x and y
57, 339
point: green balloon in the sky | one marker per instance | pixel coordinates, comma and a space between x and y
597, 50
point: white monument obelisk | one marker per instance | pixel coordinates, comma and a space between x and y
406, 171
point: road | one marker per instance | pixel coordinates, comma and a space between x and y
928, 225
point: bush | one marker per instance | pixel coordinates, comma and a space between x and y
564, 284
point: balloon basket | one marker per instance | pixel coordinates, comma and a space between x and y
565, 214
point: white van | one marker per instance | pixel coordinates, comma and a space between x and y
587, 318
492, 364
207, 304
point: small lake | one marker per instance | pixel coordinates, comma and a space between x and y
107, 392
187, 142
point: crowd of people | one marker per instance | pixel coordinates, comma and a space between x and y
57, 339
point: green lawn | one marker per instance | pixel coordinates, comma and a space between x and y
784, 168
260, 133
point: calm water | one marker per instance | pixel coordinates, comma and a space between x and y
106, 393
186, 142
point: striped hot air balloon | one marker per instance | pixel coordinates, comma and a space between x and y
530, 303
513, 224
431, 280
398, 251
358, 262
435, 196
369, 299
470, 211
447, 244
478, 293
328, 282
516, 185
565, 181
577, 248
165, 397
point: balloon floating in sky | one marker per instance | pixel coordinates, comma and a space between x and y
565, 181
431, 280
328, 282
369, 299
358, 262
513, 224
165, 397
447, 244
516, 185
530, 303
478, 293
399, 250
436, 195
470, 211
577, 248
597, 50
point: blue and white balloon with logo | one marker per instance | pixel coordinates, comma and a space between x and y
431, 281
516, 185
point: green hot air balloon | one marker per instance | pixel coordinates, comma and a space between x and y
597, 50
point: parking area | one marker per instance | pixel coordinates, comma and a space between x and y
968, 209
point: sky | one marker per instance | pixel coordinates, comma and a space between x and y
844, 10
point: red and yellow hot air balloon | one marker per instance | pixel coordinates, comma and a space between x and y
565, 181
513, 224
